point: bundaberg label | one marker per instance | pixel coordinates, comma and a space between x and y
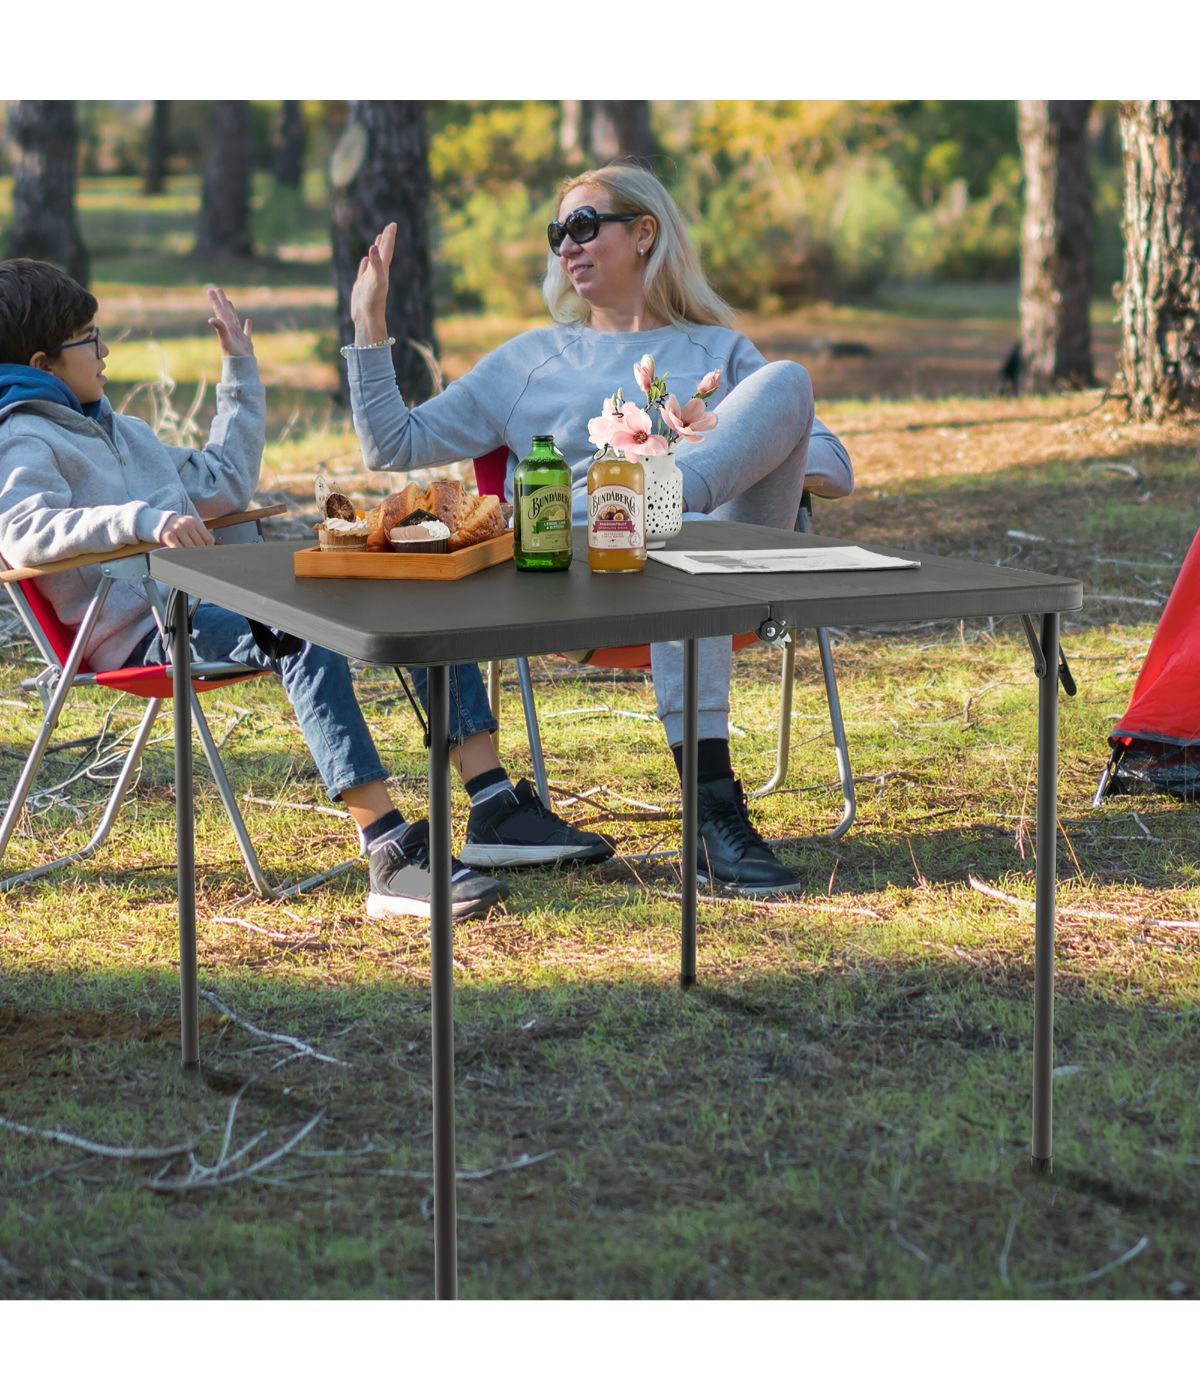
616, 518
545, 519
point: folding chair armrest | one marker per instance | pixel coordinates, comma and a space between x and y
76, 561
83, 561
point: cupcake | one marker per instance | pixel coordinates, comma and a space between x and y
342, 535
420, 537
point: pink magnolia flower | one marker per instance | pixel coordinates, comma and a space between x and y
643, 372
691, 421
708, 385
600, 430
634, 436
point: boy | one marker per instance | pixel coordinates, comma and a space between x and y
77, 478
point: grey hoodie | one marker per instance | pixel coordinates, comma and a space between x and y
76, 485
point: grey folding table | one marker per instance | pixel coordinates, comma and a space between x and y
502, 613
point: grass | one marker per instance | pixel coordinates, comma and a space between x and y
840, 1108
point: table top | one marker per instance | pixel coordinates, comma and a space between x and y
504, 612
941, 588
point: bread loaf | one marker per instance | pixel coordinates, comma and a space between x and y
389, 513
448, 500
483, 521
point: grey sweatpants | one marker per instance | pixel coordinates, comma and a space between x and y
751, 468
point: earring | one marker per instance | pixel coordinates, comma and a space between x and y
641, 252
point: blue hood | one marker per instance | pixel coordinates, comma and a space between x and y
24, 384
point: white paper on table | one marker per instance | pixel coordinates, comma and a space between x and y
826, 559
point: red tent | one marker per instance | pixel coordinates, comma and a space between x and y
1156, 744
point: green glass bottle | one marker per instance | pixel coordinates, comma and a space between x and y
542, 508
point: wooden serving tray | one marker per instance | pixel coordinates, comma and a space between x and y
318, 563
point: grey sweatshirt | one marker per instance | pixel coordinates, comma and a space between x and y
75, 485
554, 380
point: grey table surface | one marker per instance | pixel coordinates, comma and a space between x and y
503, 612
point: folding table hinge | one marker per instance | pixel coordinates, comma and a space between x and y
1064, 674
1035, 646
412, 700
772, 629
1066, 679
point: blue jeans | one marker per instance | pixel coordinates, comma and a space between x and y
318, 684
470, 712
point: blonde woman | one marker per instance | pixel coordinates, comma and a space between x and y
623, 280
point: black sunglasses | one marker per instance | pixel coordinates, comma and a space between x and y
583, 224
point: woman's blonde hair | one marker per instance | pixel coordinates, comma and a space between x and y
676, 290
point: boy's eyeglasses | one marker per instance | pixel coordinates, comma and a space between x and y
583, 224
93, 337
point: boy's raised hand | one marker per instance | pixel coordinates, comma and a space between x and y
233, 335
368, 298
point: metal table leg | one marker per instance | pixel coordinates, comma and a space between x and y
1047, 857
441, 934
691, 806
185, 830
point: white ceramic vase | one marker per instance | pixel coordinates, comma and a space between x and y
664, 500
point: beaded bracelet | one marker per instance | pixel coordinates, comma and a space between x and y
375, 345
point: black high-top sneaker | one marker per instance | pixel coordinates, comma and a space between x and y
729, 850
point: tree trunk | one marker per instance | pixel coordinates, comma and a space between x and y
380, 173
1056, 246
158, 150
1160, 301
44, 224
574, 121
291, 145
621, 129
224, 224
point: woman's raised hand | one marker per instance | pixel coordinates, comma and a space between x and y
234, 336
368, 299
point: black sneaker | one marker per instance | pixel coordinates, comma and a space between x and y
401, 882
514, 828
730, 852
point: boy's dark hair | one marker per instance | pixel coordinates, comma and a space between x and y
41, 307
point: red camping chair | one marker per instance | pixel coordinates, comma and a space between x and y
63, 650
490, 472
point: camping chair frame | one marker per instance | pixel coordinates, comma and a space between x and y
63, 657
489, 478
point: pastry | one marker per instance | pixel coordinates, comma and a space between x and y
342, 535
421, 537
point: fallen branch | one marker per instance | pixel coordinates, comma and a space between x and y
848, 909
1002, 1263
522, 1161
1091, 1277
296, 806
291, 1040
99, 1149
1134, 564
245, 923
1068, 911
1124, 468
205, 1178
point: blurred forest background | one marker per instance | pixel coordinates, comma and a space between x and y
901, 248
791, 201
